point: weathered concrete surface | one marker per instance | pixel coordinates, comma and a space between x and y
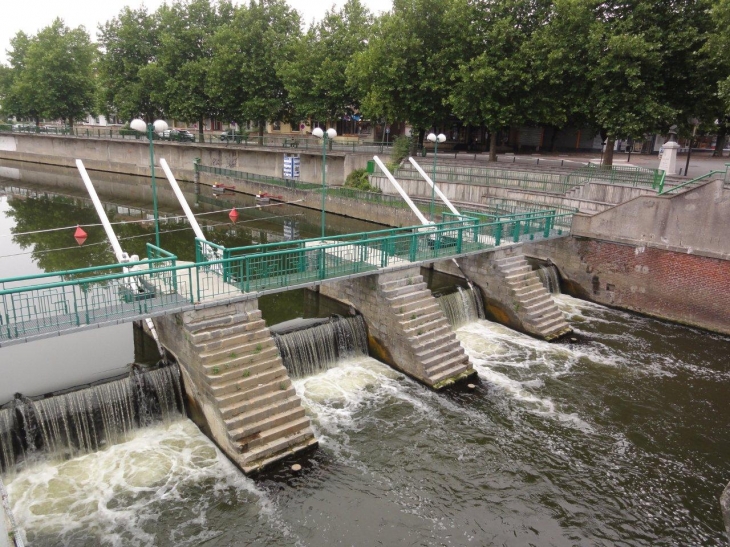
481, 193
666, 257
695, 221
686, 288
132, 156
725, 506
238, 390
407, 328
512, 292
608, 194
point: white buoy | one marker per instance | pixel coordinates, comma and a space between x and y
471, 386
296, 467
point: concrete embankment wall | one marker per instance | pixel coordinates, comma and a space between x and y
481, 193
662, 256
131, 156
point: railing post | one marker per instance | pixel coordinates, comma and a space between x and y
516, 231
414, 247
546, 233
498, 235
321, 265
459, 239
197, 283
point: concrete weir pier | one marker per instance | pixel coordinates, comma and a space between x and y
407, 328
238, 390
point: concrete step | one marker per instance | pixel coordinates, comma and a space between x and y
244, 384
255, 394
509, 260
546, 316
427, 335
223, 320
516, 269
417, 305
219, 374
417, 319
550, 324
403, 289
253, 434
537, 303
269, 451
272, 397
232, 341
448, 364
438, 323
530, 291
257, 415
440, 343
521, 276
439, 357
252, 347
449, 373
213, 333
400, 282
534, 283
406, 298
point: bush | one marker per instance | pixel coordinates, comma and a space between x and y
358, 180
400, 150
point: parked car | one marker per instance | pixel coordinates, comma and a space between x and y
233, 135
179, 135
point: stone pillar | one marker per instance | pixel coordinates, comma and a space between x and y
668, 164
407, 328
237, 389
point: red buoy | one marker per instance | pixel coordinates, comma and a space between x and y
233, 215
80, 236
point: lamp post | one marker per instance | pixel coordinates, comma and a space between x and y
694, 122
435, 139
324, 135
159, 126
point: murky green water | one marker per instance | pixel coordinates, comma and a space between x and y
619, 439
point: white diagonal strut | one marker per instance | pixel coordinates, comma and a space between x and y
183, 202
122, 257
402, 192
433, 185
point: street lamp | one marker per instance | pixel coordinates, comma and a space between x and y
329, 134
159, 126
694, 122
432, 137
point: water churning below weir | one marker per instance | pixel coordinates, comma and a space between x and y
71, 424
462, 307
315, 349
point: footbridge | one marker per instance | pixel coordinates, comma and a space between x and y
57, 303
205, 313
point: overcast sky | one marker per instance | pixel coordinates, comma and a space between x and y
32, 15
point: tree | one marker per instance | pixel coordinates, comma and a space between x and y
19, 99
405, 71
315, 76
185, 57
59, 72
717, 50
495, 83
129, 43
242, 75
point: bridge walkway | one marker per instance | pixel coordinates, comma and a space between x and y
52, 304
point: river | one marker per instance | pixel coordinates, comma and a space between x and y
619, 438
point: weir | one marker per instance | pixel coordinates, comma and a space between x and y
316, 349
71, 424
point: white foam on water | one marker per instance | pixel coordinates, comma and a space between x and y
516, 364
112, 494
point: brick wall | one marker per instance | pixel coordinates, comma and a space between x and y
682, 287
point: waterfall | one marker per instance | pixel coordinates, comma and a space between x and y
309, 351
70, 424
463, 306
548, 274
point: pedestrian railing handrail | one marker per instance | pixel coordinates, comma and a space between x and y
691, 183
159, 285
292, 142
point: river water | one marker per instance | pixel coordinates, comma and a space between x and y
620, 438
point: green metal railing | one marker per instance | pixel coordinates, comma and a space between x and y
253, 177
49, 303
294, 142
690, 183
617, 174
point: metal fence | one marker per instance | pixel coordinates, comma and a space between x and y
291, 143
44, 304
623, 175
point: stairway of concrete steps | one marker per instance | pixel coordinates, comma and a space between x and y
424, 325
532, 301
243, 372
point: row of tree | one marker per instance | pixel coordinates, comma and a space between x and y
623, 67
